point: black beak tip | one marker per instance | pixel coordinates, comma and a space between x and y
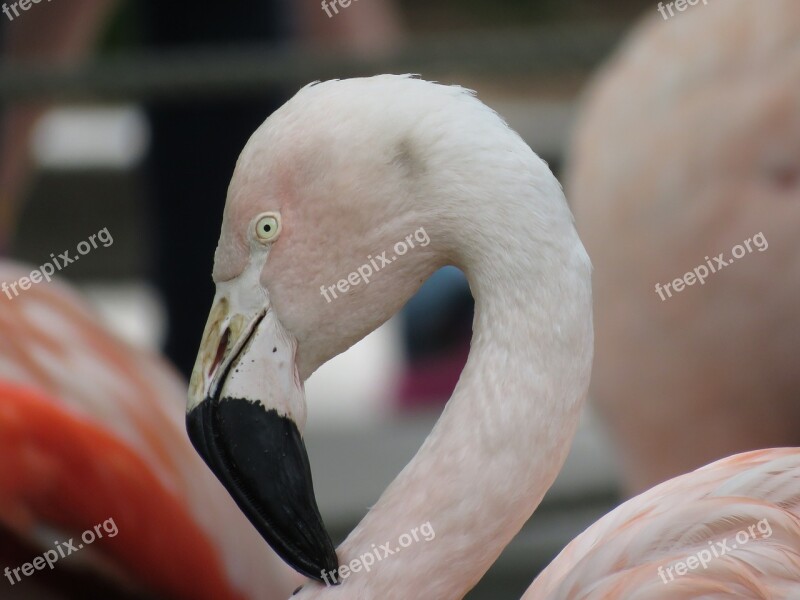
260, 458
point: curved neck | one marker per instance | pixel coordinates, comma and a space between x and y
505, 432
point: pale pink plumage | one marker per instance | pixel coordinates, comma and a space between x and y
689, 144
619, 556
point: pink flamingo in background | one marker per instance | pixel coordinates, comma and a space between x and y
688, 145
92, 429
347, 168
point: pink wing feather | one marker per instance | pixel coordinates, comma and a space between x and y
128, 399
757, 493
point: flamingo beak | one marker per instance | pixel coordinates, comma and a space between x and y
245, 413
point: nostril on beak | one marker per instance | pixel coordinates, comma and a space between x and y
223, 346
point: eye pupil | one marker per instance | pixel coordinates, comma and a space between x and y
267, 228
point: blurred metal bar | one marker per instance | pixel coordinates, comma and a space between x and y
242, 70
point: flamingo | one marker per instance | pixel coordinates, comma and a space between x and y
675, 159
91, 430
343, 171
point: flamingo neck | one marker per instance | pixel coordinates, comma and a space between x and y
505, 432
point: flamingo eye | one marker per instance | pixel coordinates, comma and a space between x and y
268, 226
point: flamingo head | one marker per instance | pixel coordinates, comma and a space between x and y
334, 183
341, 204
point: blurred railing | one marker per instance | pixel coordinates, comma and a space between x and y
538, 52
